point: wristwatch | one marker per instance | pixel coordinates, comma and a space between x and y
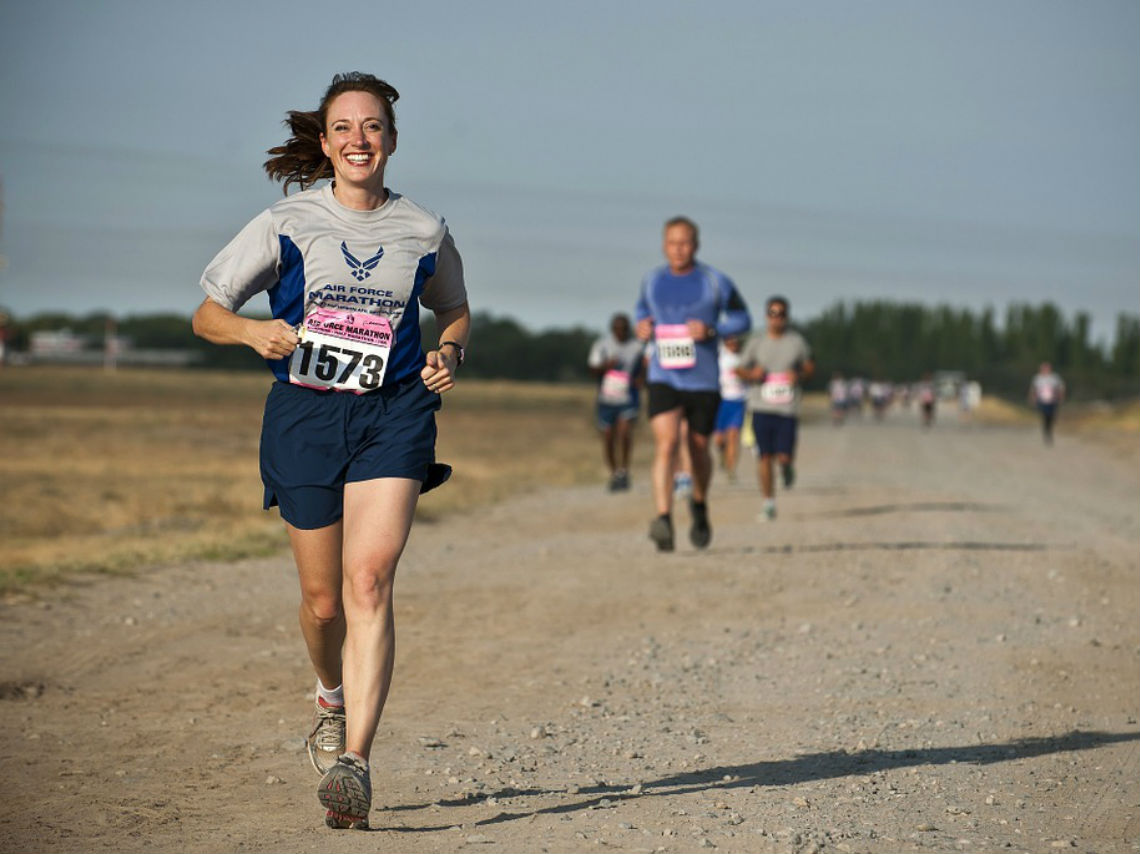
459, 353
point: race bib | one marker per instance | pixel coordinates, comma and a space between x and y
675, 347
615, 388
342, 350
1045, 393
778, 388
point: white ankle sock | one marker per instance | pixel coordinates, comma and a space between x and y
334, 697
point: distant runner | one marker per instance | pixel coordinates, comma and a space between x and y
880, 393
837, 395
927, 399
856, 392
776, 362
1047, 393
616, 360
683, 307
730, 415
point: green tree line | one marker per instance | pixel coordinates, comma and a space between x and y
875, 339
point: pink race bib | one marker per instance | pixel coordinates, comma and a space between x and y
342, 350
779, 388
615, 388
675, 347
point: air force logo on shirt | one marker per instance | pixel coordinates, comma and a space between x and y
361, 270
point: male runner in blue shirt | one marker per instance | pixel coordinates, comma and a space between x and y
683, 308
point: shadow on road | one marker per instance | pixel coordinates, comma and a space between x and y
905, 545
784, 772
918, 507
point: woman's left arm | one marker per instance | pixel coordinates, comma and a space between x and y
454, 326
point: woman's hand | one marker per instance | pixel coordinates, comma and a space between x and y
272, 339
439, 372
454, 325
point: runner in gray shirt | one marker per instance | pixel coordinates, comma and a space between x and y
776, 363
617, 360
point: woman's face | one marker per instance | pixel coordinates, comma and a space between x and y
358, 140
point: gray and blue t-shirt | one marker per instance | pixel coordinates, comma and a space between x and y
309, 251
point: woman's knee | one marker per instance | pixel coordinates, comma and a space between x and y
369, 584
322, 606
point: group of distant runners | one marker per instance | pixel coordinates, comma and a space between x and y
847, 396
685, 347
850, 396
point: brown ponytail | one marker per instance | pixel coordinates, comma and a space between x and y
300, 160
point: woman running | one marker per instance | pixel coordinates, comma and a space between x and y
348, 436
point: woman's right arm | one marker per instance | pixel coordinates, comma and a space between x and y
270, 339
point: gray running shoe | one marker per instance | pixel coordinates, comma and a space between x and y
346, 793
326, 742
661, 532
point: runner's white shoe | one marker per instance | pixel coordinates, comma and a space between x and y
682, 484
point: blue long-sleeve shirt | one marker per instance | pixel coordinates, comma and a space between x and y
703, 294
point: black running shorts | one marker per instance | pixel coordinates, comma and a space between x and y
697, 407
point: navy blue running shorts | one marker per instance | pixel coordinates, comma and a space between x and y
775, 434
315, 441
608, 414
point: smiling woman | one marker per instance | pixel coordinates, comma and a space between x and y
303, 159
348, 437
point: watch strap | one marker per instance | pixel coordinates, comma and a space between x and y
459, 354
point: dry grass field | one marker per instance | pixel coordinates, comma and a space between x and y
109, 472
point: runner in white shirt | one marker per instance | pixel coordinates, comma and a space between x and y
348, 436
837, 394
880, 393
856, 392
730, 414
1047, 393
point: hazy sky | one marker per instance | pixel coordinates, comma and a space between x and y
974, 153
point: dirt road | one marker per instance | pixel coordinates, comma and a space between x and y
935, 647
